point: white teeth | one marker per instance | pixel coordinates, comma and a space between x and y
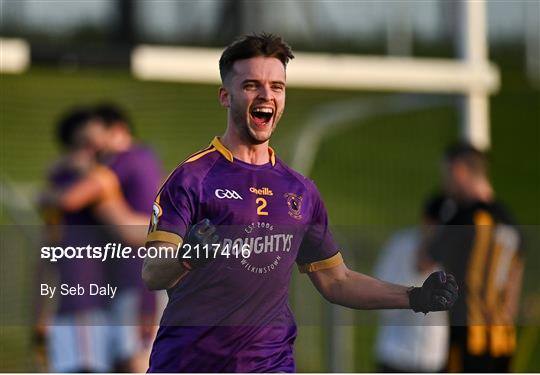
263, 110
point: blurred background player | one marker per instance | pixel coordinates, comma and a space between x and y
139, 173
136, 172
480, 245
403, 336
76, 336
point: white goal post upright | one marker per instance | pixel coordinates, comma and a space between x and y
474, 50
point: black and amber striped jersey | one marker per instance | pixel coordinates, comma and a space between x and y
480, 245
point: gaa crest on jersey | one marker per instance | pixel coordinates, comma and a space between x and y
227, 194
294, 202
156, 214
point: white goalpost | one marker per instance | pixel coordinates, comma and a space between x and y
14, 55
473, 76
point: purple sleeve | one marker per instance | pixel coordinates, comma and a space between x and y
318, 244
146, 186
122, 165
139, 172
174, 208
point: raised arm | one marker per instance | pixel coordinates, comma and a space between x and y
352, 289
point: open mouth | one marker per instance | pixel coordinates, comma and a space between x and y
262, 115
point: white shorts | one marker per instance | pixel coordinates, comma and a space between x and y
124, 330
78, 342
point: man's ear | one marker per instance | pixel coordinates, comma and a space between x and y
224, 97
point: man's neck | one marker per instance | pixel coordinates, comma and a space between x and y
248, 153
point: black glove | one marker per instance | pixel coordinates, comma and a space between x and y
203, 233
438, 293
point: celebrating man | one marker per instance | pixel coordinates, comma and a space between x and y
244, 218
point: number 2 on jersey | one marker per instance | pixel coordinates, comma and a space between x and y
261, 205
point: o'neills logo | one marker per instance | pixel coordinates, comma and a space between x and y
261, 191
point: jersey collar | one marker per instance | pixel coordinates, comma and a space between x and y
229, 156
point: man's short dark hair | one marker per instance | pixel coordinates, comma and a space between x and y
473, 158
248, 46
111, 114
70, 123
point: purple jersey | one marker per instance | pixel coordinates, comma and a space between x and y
233, 314
77, 229
139, 174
